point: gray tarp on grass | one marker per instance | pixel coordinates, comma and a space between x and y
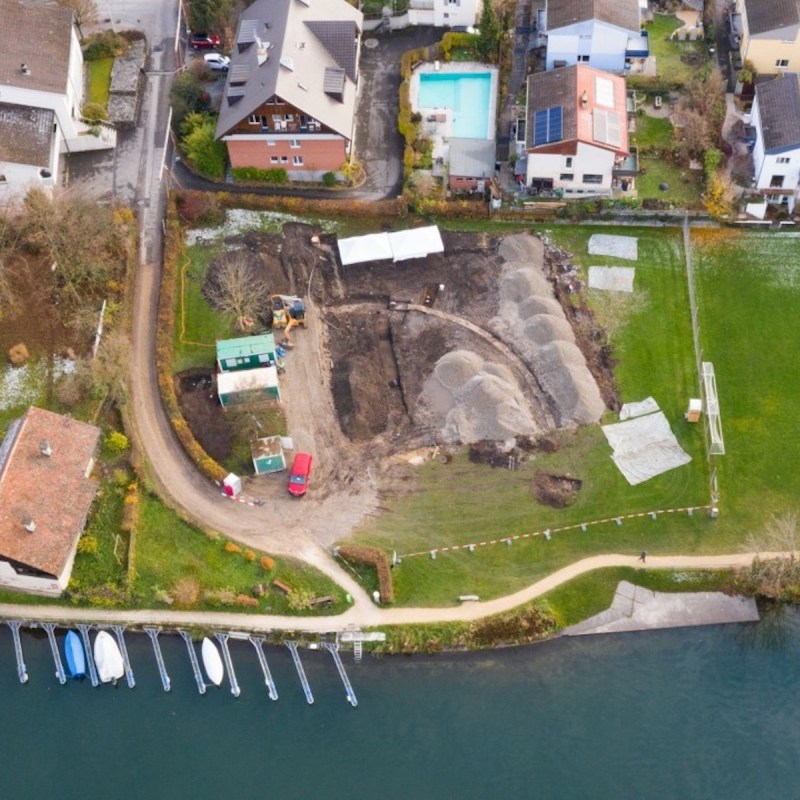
602, 244
611, 279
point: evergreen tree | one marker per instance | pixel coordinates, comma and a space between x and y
489, 37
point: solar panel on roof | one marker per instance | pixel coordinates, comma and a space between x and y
556, 118
548, 125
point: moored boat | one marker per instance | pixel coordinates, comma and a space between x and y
108, 658
212, 661
74, 654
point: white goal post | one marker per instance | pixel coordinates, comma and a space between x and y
717, 443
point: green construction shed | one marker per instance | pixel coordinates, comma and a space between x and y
247, 352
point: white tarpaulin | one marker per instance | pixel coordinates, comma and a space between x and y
602, 244
611, 279
645, 447
416, 243
631, 410
358, 249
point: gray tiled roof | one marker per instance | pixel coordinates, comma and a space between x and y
622, 13
37, 34
769, 15
779, 111
338, 38
26, 134
472, 158
557, 87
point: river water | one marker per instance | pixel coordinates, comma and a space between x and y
698, 713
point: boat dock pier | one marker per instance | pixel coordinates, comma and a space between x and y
21, 669
258, 642
119, 631
153, 634
222, 638
198, 675
50, 630
87, 646
333, 649
300, 671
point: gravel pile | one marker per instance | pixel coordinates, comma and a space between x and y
532, 319
475, 400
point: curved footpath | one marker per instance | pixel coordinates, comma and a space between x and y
360, 616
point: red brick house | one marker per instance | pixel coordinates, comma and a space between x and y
290, 94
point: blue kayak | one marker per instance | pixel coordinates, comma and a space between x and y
76, 658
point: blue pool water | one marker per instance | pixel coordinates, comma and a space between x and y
465, 93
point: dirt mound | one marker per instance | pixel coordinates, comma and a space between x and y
557, 491
487, 403
522, 248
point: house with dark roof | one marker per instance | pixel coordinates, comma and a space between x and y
776, 153
41, 94
46, 491
769, 34
471, 164
576, 131
606, 34
290, 95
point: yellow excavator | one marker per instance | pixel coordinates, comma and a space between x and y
288, 312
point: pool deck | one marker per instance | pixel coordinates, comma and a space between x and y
437, 123
638, 609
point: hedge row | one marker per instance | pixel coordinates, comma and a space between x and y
173, 252
301, 206
372, 557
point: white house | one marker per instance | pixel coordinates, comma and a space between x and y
444, 13
605, 34
576, 132
776, 153
41, 92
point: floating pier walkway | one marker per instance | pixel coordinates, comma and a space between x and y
50, 630
258, 642
22, 670
119, 632
300, 671
162, 669
333, 649
222, 638
198, 675
87, 646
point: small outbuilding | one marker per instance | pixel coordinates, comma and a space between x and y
246, 352
268, 455
248, 386
472, 163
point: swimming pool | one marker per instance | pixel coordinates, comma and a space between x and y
466, 94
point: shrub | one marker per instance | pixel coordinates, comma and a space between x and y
186, 592
117, 442
18, 354
232, 547
246, 601
94, 112
208, 155
199, 208
187, 95
329, 179
277, 175
372, 557
249, 555
267, 563
104, 45
87, 544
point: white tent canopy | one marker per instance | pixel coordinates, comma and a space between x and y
245, 380
399, 246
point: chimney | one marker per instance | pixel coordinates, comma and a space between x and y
29, 524
45, 449
584, 99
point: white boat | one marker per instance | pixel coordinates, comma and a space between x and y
212, 661
107, 658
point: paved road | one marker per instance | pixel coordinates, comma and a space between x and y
369, 615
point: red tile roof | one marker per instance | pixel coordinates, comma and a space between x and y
54, 491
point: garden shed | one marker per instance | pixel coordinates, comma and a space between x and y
267, 455
250, 386
246, 352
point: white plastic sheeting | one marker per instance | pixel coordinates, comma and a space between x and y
398, 246
358, 249
645, 447
602, 244
612, 279
631, 410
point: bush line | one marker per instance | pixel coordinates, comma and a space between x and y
372, 557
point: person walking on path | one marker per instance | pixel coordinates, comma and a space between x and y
643, 556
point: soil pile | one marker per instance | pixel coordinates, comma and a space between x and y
476, 400
534, 321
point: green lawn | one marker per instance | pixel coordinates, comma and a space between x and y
669, 64
459, 503
652, 133
685, 186
99, 80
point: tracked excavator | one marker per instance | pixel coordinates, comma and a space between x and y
288, 312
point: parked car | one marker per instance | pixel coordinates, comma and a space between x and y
301, 469
200, 40
217, 61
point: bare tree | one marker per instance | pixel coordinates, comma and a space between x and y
110, 368
11, 258
235, 285
85, 12
775, 571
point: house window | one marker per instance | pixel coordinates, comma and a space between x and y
258, 119
568, 162
592, 178
298, 161
284, 159
566, 176
583, 59
783, 160
782, 62
295, 143
776, 182
273, 159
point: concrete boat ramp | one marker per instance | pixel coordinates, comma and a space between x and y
638, 609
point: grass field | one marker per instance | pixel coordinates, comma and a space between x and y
668, 52
684, 185
100, 80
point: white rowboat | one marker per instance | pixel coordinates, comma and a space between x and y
212, 661
108, 658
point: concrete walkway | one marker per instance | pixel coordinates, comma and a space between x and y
362, 616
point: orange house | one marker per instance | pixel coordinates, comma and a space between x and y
290, 94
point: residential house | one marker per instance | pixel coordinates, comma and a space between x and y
768, 32
472, 164
603, 33
290, 95
46, 491
41, 93
776, 152
246, 352
576, 132
444, 13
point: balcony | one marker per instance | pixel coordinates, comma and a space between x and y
627, 167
